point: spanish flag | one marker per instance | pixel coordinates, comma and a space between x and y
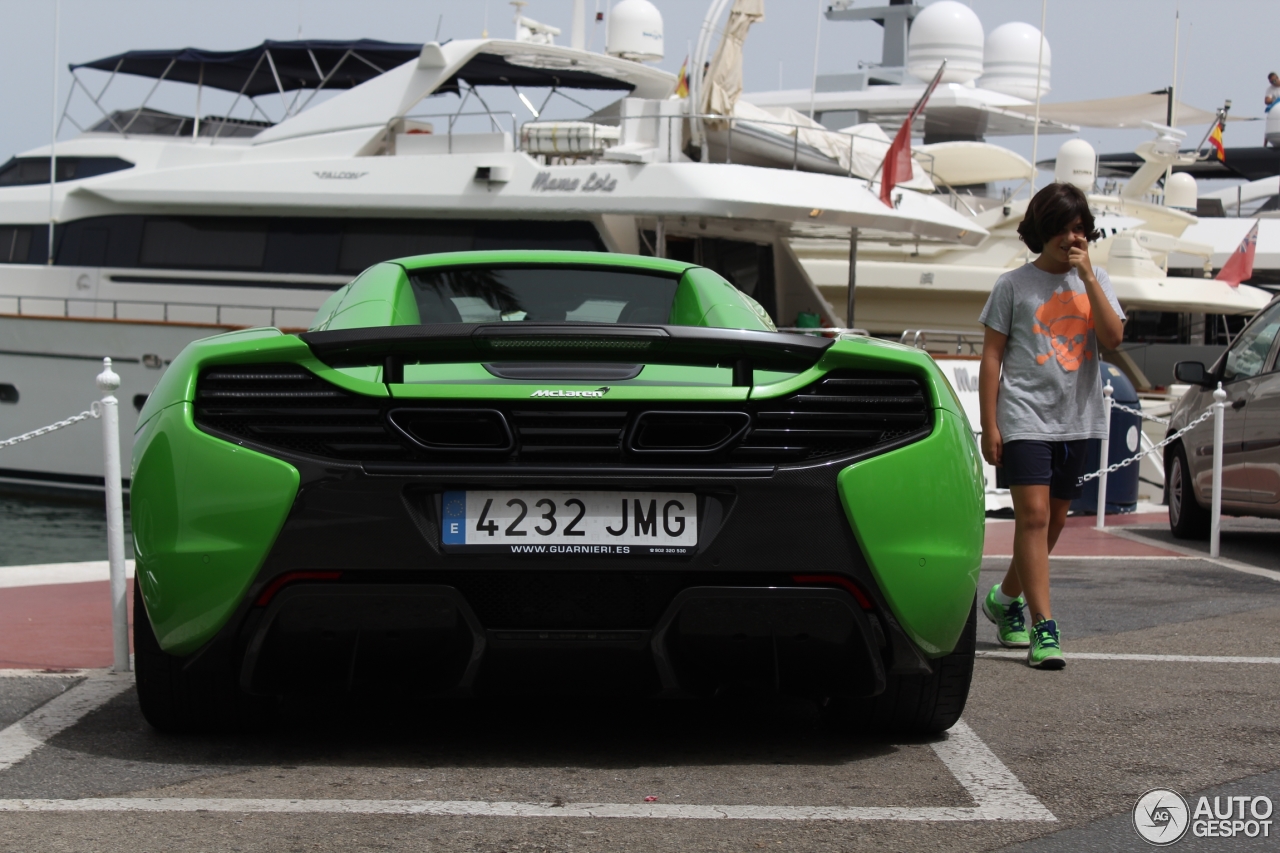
1215, 139
682, 83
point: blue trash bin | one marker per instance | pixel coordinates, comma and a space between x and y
1126, 440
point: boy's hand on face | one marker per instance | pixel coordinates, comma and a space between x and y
1078, 257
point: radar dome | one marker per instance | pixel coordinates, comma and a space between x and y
1010, 59
1180, 191
634, 31
945, 30
1077, 164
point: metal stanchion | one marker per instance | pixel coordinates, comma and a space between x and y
108, 381
1215, 512
1105, 456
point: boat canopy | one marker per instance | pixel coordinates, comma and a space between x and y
286, 66
273, 66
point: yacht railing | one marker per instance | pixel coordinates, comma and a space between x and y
919, 339
96, 309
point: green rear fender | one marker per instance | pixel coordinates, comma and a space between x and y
205, 513
918, 515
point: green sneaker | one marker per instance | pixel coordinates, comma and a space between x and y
1011, 627
1046, 648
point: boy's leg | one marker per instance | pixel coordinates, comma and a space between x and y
1030, 565
1058, 510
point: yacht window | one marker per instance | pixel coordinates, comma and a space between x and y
542, 294
366, 244
149, 122
285, 245
15, 244
27, 171
203, 243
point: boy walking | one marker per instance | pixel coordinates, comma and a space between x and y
1041, 400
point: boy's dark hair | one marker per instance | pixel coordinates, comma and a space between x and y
1051, 211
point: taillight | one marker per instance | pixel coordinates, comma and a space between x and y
289, 577
838, 580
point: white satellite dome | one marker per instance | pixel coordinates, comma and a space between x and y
1077, 164
945, 30
1180, 191
634, 31
1010, 59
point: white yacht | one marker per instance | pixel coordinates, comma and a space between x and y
169, 228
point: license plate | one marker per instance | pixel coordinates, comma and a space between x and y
538, 521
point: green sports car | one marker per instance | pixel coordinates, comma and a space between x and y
553, 472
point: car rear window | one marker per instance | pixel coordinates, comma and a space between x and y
542, 294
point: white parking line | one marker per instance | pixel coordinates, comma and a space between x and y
479, 808
997, 793
1070, 655
59, 573
1101, 558
62, 711
42, 673
1225, 562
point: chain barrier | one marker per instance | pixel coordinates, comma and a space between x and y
94, 411
1139, 413
1111, 469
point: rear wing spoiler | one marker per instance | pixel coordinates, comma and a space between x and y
391, 347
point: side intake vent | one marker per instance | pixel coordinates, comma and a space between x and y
842, 413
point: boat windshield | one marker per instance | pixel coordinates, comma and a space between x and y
543, 294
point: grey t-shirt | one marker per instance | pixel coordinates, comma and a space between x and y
1050, 389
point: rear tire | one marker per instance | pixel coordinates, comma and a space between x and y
1187, 519
922, 704
175, 698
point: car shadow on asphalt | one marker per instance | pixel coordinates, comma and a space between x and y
493, 732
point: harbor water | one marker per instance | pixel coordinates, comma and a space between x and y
41, 529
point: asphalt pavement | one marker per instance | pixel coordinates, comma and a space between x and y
1173, 681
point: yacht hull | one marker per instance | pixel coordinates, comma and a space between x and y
51, 362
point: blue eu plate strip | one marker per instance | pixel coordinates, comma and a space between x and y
454, 528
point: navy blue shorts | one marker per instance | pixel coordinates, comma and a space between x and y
1056, 464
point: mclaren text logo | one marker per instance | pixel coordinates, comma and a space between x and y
599, 392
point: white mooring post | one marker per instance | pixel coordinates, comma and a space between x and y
108, 381
1215, 512
1105, 455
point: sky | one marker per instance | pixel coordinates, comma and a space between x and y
1100, 48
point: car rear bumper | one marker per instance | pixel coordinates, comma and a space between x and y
357, 591
426, 638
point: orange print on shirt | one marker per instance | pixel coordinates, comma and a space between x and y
1066, 320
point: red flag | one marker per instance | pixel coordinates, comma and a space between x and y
896, 168
1239, 267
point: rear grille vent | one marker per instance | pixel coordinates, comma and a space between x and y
290, 409
840, 414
